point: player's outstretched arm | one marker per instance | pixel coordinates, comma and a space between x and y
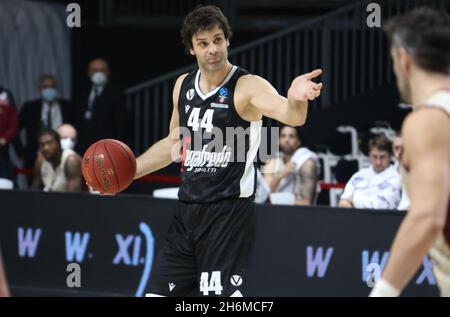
167, 150
291, 110
427, 155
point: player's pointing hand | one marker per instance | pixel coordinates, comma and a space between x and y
303, 88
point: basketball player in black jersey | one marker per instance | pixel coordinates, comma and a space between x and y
210, 239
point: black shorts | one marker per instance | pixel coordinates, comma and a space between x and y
206, 250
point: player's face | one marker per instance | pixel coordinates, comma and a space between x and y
289, 142
49, 147
210, 48
399, 62
380, 159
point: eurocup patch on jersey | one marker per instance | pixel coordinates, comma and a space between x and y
223, 94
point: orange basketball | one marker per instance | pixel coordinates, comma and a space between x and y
109, 166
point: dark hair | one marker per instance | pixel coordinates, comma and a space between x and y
297, 131
47, 131
425, 34
203, 18
380, 142
47, 77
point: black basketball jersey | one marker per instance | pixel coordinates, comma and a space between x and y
219, 147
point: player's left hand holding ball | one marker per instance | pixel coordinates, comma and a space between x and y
108, 166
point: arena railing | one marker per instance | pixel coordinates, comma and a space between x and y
354, 56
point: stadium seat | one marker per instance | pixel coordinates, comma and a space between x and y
6, 184
168, 193
282, 199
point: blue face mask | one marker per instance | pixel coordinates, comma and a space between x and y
49, 94
99, 78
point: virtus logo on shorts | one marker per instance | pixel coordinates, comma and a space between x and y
236, 280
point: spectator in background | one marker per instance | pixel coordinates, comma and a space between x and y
378, 186
68, 135
397, 148
8, 131
294, 170
49, 111
101, 109
60, 169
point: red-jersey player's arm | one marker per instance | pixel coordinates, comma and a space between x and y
427, 157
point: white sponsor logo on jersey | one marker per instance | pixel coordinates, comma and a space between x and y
190, 94
219, 105
207, 159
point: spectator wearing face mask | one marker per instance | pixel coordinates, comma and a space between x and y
47, 112
101, 108
68, 139
59, 170
68, 135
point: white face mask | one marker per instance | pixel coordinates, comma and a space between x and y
99, 78
67, 144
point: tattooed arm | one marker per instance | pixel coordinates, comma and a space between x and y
307, 186
74, 177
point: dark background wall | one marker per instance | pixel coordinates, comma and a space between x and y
135, 54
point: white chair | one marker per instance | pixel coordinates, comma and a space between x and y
282, 198
167, 193
6, 184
